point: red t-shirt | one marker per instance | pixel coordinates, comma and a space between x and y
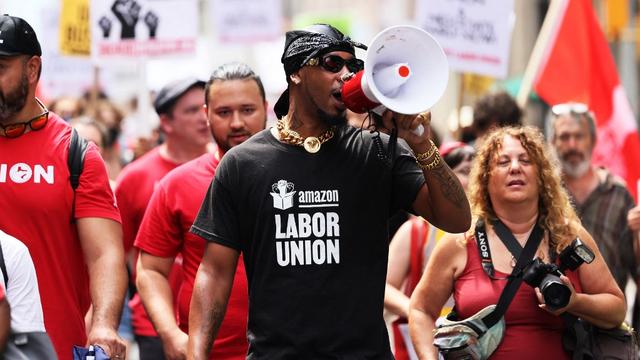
134, 188
35, 207
531, 333
165, 232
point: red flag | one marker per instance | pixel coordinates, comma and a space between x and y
577, 65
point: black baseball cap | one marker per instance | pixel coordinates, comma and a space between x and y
170, 93
17, 37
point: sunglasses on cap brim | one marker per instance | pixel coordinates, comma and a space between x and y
335, 63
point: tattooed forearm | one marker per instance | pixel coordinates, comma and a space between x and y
449, 185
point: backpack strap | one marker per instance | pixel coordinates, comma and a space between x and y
75, 162
3, 267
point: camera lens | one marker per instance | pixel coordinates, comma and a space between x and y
556, 294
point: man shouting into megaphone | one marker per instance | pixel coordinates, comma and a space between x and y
316, 250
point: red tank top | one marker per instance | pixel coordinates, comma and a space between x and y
531, 333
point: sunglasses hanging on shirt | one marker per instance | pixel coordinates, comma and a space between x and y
36, 123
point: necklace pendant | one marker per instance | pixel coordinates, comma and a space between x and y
513, 261
311, 144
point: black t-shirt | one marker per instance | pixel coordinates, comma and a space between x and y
313, 232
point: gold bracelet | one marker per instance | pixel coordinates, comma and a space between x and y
437, 161
427, 154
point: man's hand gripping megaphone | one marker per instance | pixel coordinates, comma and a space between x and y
414, 129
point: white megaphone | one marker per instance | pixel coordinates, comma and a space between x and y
405, 70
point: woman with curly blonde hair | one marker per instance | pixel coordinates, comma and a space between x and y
515, 183
554, 207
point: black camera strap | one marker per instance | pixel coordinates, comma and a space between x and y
507, 238
483, 249
515, 279
513, 245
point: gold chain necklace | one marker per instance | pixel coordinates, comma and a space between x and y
310, 143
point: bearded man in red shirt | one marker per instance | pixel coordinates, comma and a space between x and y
74, 238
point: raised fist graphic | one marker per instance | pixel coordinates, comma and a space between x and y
127, 12
105, 25
151, 19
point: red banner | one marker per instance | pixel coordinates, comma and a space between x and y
578, 66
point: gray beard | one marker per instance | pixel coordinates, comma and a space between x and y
578, 170
13, 102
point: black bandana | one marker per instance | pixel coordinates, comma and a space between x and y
303, 45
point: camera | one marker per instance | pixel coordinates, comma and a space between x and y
547, 276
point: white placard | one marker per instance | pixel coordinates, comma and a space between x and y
475, 34
143, 28
247, 21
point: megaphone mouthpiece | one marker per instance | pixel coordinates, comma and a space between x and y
354, 96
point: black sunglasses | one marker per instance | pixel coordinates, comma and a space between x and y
334, 63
